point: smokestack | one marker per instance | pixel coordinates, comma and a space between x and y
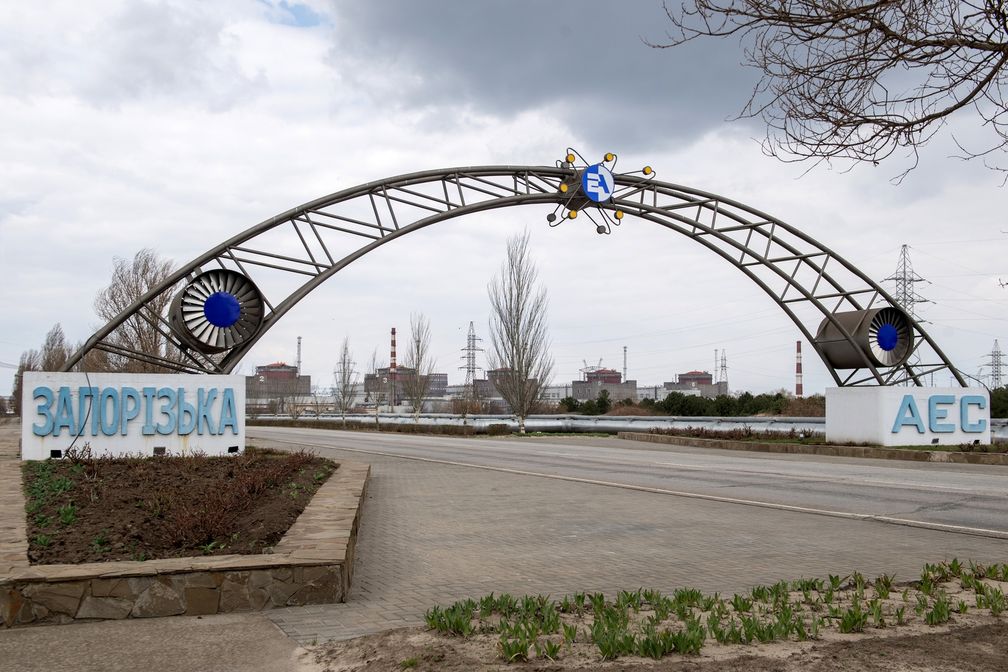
392, 372
624, 364
392, 365
798, 391
298, 362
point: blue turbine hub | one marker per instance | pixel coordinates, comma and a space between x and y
216, 311
222, 309
887, 337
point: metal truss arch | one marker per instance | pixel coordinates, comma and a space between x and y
314, 241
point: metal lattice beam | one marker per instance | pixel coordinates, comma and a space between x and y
314, 241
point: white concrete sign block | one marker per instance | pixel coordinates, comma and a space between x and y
908, 416
122, 414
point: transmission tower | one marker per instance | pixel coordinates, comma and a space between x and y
469, 357
906, 295
995, 363
723, 370
905, 278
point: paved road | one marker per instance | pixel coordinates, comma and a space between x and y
971, 497
450, 517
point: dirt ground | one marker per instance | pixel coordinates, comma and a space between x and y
977, 646
94, 510
894, 635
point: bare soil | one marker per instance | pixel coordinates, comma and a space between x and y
899, 631
976, 647
83, 509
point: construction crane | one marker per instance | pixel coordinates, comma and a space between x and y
590, 369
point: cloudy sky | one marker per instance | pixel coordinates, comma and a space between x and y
175, 125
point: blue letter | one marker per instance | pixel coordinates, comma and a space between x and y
96, 410
204, 407
964, 404
82, 394
186, 414
44, 409
109, 420
150, 394
908, 415
128, 411
935, 414
228, 414
64, 412
168, 409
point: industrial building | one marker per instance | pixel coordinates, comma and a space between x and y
697, 381
598, 379
272, 384
377, 385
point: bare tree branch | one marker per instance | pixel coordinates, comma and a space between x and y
346, 380
519, 339
31, 360
417, 363
55, 351
378, 393
140, 332
859, 81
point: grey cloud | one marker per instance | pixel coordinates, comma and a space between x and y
154, 49
586, 61
146, 50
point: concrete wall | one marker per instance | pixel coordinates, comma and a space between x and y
908, 416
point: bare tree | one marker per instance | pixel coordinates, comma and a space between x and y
346, 380
519, 342
377, 394
471, 402
130, 281
93, 360
30, 360
418, 364
294, 399
55, 350
860, 80
51, 357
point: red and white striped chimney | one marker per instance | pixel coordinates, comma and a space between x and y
392, 372
797, 371
392, 364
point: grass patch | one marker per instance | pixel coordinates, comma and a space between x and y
651, 624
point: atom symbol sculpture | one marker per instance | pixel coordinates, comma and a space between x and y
590, 187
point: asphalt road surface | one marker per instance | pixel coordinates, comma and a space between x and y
970, 499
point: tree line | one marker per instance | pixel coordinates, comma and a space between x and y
677, 403
745, 404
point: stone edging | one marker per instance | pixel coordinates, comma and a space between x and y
312, 564
875, 452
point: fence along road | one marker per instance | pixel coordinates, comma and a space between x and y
606, 423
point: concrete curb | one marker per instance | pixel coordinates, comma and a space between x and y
312, 564
872, 452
